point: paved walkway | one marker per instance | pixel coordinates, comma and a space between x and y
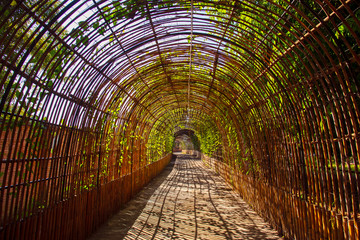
186, 201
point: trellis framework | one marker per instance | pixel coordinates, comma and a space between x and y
93, 92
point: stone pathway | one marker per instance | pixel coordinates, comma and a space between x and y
186, 201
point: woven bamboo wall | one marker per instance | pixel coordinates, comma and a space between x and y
293, 217
79, 216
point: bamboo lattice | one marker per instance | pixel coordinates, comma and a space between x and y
93, 91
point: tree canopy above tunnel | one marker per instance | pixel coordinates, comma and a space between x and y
269, 87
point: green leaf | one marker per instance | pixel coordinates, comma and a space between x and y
28, 84
49, 84
96, 25
74, 33
84, 25
27, 167
20, 154
42, 95
321, 126
14, 194
18, 94
32, 99
85, 40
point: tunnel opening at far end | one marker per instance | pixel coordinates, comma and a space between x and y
186, 141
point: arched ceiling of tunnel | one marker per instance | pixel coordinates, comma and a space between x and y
94, 90
210, 56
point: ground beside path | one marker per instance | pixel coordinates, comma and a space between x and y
186, 201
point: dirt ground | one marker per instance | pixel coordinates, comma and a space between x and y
186, 201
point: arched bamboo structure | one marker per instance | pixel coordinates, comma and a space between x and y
93, 91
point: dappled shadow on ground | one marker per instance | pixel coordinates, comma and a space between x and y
186, 201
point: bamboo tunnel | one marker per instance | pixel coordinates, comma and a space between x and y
94, 91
